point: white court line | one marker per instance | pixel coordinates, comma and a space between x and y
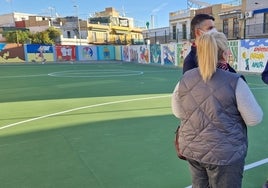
80, 108
250, 166
259, 87
95, 73
23, 76
255, 164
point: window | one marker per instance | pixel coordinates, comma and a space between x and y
174, 33
225, 27
265, 27
184, 35
236, 28
68, 34
105, 37
94, 36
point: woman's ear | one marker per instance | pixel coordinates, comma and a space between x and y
225, 55
198, 33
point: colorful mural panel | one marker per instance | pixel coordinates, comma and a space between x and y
233, 55
87, 53
155, 53
125, 53
144, 54
65, 52
106, 53
168, 54
134, 53
11, 53
183, 49
253, 55
118, 53
39, 53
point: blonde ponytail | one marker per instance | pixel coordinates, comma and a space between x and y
207, 54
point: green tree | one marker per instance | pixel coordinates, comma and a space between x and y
41, 38
49, 36
17, 36
54, 34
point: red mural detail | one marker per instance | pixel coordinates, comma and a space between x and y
65, 52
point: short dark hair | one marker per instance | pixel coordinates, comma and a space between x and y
199, 18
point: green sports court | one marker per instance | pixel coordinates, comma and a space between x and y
101, 125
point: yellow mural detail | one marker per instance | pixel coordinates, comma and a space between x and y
257, 56
244, 55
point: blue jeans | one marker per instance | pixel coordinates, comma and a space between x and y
216, 176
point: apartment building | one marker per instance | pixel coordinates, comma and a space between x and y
108, 27
238, 20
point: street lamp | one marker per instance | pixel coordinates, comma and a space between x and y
78, 23
51, 15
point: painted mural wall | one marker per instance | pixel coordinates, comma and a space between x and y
39, 53
253, 55
234, 46
144, 54
10, 53
125, 53
183, 49
155, 53
106, 53
134, 53
65, 52
169, 54
118, 52
85, 53
139, 53
248, 55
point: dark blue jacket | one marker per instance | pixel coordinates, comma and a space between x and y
190, 61
264, 74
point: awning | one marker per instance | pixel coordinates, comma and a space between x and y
122, 32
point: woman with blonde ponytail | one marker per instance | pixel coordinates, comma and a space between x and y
215, 107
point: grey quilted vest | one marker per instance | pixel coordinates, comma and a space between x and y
212, 130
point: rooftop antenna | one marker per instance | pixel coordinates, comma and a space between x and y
123, 11
11, 5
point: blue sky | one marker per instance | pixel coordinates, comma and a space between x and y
141, 11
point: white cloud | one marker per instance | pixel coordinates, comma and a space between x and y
252, 43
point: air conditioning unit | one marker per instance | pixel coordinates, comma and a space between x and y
240, 16
248, 14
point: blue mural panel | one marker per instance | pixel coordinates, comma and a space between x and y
39, 53
2, 46
106, 53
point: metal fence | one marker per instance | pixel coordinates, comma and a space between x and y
249, 31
